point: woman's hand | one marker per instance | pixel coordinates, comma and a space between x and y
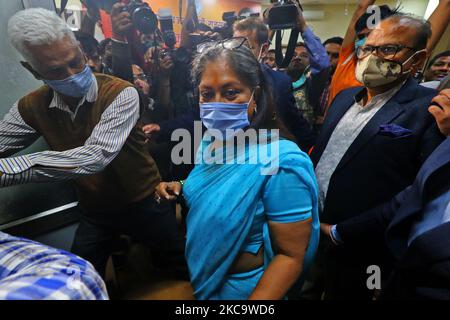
168, 190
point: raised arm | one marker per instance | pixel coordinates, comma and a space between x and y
439, 21
350, 35
191, 14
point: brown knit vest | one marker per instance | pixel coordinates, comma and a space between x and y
130, 177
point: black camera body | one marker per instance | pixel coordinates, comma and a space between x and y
142, 16
227, 30
166, 24
180, 56
283, 15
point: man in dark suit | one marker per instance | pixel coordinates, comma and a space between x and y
415, 225
372, 144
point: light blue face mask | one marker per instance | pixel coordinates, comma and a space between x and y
223, 116
300, 82
75, 86
360, 42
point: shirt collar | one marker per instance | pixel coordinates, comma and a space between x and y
379, 97
91, 96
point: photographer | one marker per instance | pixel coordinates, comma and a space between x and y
90, 48
157, 66
309, 71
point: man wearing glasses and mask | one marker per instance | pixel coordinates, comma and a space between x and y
373, 142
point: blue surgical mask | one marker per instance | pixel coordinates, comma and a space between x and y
300, 82
360, 42
223, 116
75, 86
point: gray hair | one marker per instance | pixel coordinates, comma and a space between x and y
34, 27
241, 60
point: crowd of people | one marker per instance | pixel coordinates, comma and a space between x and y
361, 125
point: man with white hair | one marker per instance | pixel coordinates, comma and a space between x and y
91, 123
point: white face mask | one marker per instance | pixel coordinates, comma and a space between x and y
373, 71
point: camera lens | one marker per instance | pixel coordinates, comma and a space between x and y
144, 20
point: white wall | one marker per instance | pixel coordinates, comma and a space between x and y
338, 16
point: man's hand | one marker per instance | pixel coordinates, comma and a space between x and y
168, 191
150, 54
150, 130
166, 65
440, 109
121, 22
326, 229
301, 22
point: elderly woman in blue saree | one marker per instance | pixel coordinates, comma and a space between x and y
252, 226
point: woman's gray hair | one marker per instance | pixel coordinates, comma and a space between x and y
34, 27
241, 60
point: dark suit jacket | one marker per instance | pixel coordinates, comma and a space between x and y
286, 109
378, 165
423, 268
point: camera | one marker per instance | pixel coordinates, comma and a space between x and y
166, 23
142, 16
227, 30
179, 56
283, 15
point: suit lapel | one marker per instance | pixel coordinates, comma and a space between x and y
398, 230
437, 160
433, 245
337, 111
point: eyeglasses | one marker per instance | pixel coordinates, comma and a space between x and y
230, 44
386, 51
140, 76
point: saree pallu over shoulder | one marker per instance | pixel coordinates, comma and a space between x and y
222, 199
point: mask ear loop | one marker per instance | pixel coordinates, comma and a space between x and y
255, 110
407, 60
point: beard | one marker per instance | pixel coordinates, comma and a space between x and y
295, 72
295, 69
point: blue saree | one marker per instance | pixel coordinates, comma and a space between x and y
223, 202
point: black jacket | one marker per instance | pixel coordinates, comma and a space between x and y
422, 269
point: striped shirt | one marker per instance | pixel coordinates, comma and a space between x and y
104, 144
32, 271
